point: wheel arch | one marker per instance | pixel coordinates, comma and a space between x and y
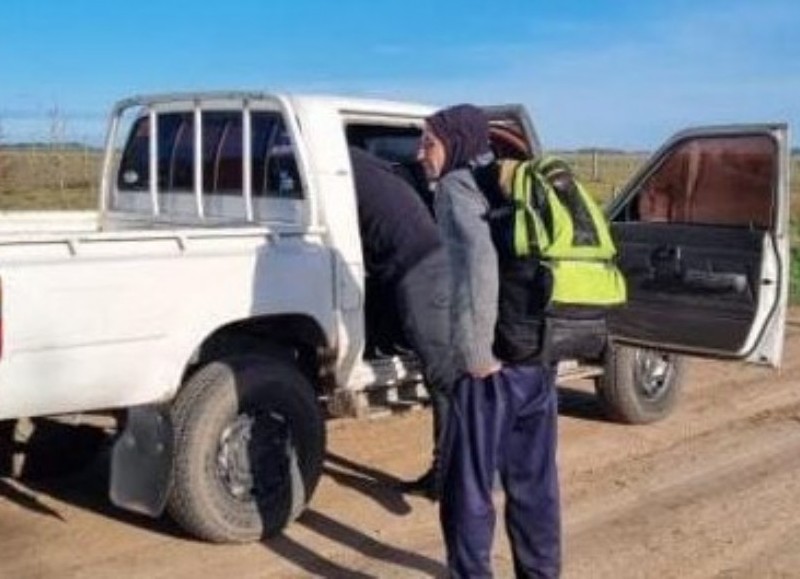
296, 336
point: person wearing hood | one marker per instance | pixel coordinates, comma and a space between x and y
502, 416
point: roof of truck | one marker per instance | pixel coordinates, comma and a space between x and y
298, 100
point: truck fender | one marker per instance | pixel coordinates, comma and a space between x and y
141, 461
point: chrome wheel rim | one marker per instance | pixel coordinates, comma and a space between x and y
252, 459
652, 373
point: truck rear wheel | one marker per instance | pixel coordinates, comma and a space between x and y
639, 385
249, 444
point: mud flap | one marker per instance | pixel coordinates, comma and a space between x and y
141, 462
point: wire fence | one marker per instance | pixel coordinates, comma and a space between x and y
72, 169
66, 176
605, 174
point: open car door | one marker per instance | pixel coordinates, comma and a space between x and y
703, 237
511, 132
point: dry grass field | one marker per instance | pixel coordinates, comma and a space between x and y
47, 178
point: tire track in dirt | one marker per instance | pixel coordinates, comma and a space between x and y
691, 512
707, 492
716, 395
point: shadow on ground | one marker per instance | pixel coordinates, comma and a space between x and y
70, 463
366, 545
381, 487
580, 404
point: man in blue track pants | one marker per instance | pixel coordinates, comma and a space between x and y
502, 415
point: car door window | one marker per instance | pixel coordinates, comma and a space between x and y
713, 181
696, 239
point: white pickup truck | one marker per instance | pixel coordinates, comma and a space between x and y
216, 297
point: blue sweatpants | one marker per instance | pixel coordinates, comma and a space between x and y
505, 423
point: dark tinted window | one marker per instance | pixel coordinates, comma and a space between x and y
394, 144
274, 166
275, 172
176, 152
134, 171
222, 152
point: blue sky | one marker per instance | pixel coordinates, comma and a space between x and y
621, 74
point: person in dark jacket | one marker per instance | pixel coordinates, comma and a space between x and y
408, 266
502, 415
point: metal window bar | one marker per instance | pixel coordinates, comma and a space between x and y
198, 159
247, 168
106, 186
152, 119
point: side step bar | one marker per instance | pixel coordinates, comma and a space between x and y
392, 385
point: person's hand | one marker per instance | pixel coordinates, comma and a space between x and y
485, 371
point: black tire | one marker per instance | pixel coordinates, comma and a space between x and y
639, 385
249, 445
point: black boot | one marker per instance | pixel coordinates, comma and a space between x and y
426, 486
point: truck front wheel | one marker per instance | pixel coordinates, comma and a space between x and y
639, 385
249, 439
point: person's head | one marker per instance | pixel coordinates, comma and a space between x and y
453, 138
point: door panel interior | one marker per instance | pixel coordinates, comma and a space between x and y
692, 232
694, 286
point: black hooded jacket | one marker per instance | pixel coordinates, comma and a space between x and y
397, 229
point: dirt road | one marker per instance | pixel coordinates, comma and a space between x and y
711, 492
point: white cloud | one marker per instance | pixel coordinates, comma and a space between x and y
586, 82
710, 64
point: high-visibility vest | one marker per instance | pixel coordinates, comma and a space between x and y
557, 220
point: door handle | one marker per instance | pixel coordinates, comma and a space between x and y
666, 262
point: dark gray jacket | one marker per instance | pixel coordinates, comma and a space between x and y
460, 209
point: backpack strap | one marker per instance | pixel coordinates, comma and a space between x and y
521, 197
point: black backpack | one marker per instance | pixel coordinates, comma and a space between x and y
558, 277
